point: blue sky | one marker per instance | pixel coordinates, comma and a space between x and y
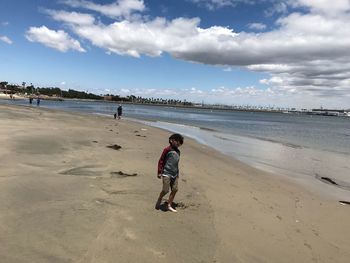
267, 52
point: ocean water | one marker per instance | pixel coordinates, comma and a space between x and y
304, 148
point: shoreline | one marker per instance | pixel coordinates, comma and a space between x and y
313, 170
66, 196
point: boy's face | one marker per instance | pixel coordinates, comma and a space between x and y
175, 144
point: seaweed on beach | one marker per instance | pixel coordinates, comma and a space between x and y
335, 182
122, 174
329, 180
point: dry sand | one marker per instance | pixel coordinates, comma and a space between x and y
7, 96
66, 197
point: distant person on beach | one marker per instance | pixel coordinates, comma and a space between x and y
168, 170
120, 111
30, 100
38, 101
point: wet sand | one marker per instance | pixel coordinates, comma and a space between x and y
302, 164
68, 193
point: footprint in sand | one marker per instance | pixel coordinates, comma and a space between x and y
129, 234
87, 170
182, 205
101, 201
125, 215
156, 253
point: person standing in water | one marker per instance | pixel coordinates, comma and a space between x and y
120, 111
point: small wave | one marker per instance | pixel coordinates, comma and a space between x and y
223, 138
102, 114
208, 129
295, 146
176, 124
288, 144
338, 152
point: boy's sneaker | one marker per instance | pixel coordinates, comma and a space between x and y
172, 209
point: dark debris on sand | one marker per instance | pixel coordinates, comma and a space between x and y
114, 147
122, 174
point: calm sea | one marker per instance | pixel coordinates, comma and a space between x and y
303, 147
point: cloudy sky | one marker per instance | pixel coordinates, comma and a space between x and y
290, 53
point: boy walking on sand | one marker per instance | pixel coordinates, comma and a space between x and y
168, 170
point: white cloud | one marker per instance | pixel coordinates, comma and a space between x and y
251, 95
121, 8
5, 23
194, 90
215, 4
239, 92
136, 38
297, 52
125, 91
270, 67
307, 54
257, 26
281, 6
72, 17
324, 6
6, 40
59, 40
278, 7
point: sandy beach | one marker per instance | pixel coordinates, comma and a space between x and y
68, 194
7, 96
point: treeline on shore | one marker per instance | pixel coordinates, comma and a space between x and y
57, 93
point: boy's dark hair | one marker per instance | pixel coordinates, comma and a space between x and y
177, 137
